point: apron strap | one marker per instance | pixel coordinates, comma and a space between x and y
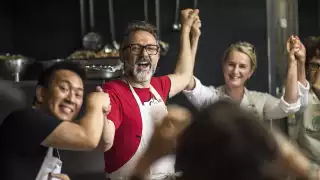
50, 152
135, 94
155, 93
58, 154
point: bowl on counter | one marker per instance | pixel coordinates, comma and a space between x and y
13, 66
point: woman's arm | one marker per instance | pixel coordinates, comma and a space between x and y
291, 94
290, 102
201, 95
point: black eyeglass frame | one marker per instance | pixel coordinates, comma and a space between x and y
142, 47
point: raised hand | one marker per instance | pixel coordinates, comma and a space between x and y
301, 53
108, 109
99, 99
188, 16
195, 29
292, 48
296, 49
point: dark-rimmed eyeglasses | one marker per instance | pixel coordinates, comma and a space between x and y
314, 66
138, 49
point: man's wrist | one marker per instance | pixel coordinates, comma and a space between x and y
301, 64
293, 64
185, 29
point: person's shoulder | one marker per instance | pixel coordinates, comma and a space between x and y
15, 117
160, 80
20, 112
114, 85
28, 114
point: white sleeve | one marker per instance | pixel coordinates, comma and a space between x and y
201, 95
303, 93
275, 108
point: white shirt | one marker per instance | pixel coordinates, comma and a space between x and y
264, 105
307, 129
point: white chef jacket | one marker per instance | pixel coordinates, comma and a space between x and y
306, 130
264, 105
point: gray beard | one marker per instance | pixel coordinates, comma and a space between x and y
138, 76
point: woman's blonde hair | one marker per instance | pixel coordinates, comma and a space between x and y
243, 47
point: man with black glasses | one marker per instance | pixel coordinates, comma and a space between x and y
138, 99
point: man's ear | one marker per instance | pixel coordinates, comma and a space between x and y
121, 55
40, 92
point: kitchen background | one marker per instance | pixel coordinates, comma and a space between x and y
50, 29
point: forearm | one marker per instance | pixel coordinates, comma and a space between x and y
291, 92
302, 74
107, 137
194, 48
92, 123
185, 62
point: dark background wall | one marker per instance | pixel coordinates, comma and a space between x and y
51, 29
309, 18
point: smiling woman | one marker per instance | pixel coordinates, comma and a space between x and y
238, 63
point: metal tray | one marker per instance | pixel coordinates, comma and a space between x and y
104, 71
102, 74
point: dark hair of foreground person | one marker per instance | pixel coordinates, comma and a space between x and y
226, 142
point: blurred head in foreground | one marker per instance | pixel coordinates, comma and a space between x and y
225, 142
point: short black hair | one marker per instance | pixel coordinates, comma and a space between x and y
226, 142
46, 76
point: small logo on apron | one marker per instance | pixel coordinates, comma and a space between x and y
152, 101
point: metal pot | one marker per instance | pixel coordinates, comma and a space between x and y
46, 64
15, 65
104, 72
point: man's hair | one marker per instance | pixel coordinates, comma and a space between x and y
139, 26
225, 142
312, 45
46, 77
48, 74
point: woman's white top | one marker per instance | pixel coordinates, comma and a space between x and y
264, 105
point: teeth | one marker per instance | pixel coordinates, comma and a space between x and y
67, 110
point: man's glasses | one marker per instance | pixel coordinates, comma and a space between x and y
138, 49
314, 66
